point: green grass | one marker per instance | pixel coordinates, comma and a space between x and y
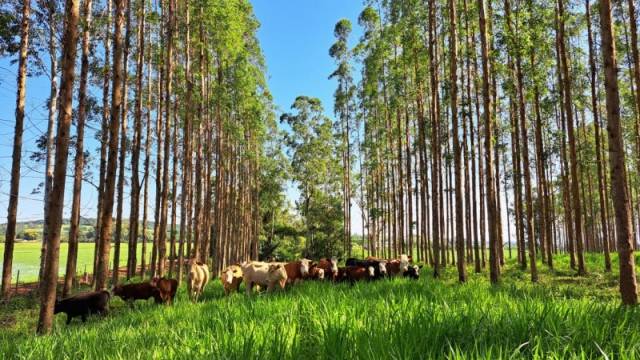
564, 316
26, 258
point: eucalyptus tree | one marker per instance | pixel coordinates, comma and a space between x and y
344, 109
56, 200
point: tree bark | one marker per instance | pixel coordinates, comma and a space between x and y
14, 192
619, 186
56, 201
72, 255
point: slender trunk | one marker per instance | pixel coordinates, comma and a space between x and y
56, 200
619, 188
110, 175
53, 107
14, 192
72, 255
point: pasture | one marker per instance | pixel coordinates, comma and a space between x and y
26, 258
564, 316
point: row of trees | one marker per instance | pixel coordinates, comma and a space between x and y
469, 114
182, 93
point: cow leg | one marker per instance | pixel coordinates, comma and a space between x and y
84, 317
68, 319
249, 288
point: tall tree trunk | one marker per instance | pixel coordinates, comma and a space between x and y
619, 186
110, 175
492, 212
53, 107
14, 192
573, 157
56, 201
123, 150
134, 214
459, 217
72, 255
604, 218
104, 136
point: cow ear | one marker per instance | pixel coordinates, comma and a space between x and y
420, 267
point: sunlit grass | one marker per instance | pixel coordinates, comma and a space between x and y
564, 316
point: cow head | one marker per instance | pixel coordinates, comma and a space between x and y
371, 271
413, 272
320, 273
277, 272
228, 276
334, 266
305, 265
116, 290
382, 266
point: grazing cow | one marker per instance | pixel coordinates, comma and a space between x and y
263, 274
297, 270
380, 266
83, 305
198, 279
231, 278
359, 273
330, 267
167, 289
413, 272
137, 291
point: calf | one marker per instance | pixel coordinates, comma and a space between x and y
138, 291
413, 272
167, 289
358, 273
263, 274
330, 267
297, 270
231, 278
83, 305
198, 279
380, 266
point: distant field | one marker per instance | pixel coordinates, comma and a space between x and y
26, 258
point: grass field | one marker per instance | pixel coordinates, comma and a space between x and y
26, 258
564, 316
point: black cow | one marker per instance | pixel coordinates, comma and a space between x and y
380, 266
83, 305
413, 272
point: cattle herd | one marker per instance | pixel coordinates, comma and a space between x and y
263, 274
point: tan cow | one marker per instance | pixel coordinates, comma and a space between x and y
263, 274
198, 279
231, 278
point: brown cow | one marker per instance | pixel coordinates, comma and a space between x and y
297, 270
167, 289
231, 278
137, 291
316, 273
358, 273
330, 267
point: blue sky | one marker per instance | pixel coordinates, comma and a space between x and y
295, 37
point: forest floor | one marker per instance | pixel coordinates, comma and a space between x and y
563, 316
